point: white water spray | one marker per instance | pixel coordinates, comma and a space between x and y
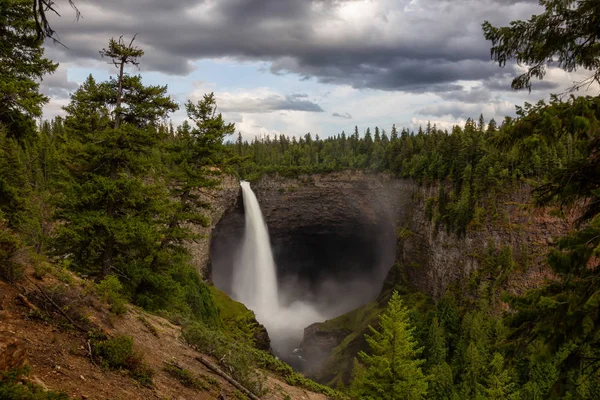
255, 282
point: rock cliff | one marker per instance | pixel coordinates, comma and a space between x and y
333, 235
336, 236
220, 200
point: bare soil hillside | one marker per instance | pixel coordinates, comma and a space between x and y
45, 324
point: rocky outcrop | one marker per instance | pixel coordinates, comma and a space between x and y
317, 345
434, 257
13, 353
220, 200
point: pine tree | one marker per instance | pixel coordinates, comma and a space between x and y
392, 370
19, 78
564, 34
500, 385
108, 206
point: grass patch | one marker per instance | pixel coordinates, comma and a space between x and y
242, 361
184, 376
151, 328
14, 387
239, 322
118, 353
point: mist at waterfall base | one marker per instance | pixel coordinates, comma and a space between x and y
255, 283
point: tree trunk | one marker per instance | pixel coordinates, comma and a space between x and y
107, 255
119, 95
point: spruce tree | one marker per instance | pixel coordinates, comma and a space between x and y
110, 208
22, 66
392, 369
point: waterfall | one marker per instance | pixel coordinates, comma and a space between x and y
255, 283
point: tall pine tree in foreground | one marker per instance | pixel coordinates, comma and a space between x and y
393, 370
110, 206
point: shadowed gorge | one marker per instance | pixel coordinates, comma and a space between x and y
332, 244
313, 259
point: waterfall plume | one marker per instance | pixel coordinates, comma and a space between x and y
255, 282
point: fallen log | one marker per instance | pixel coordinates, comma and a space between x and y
64, 314
229, 379
27, 303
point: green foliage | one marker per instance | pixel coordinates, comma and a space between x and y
118, 353
392, 370
14, 387
242, 360
467, 163
11, 268
184, 376
111, 291
118, 216
564, 34
235, 356
236, 319
19, 78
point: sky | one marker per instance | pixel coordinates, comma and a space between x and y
299, 66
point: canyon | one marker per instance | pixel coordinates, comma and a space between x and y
342, 240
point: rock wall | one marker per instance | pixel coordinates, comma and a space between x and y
340, 204
434, 257
333, 235
220, 200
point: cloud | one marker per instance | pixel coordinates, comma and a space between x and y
459, 110
264, 101
395, 45
342, 115
472, 95
58, 85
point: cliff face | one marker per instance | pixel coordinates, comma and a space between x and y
333, 235
434, 258
220, 199
340, 225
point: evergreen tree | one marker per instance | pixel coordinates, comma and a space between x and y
19, 78
393, 369
110, 209
566, 34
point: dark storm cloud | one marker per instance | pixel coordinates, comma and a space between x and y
342, 115
268, 103
417, 46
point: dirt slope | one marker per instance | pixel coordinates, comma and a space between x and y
59, 357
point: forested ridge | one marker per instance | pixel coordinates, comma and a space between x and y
108, 191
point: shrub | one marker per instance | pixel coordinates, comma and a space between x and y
111, 291
118, 353
184, 376
12, 387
